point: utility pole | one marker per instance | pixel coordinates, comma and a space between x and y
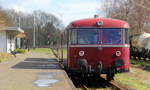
19, 18
34, 32
18, 39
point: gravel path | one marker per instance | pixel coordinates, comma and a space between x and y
33, 71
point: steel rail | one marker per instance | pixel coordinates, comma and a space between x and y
113, 84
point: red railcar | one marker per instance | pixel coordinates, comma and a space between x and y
98, 46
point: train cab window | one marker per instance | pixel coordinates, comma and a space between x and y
112, 36
73, 36
126, 36
87, 36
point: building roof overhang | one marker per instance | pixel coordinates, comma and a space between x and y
14, 29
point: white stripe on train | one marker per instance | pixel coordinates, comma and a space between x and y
99, 45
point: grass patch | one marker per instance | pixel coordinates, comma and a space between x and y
20, 50
140, 63
136, 79
42, 50
4, 56
131, 82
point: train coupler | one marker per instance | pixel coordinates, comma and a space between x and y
99, 67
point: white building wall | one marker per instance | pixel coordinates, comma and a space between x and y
19, 42
10, 43
13, 44
3, 42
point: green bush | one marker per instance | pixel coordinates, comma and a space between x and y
141, 63
20, 50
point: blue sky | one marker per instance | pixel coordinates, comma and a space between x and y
67, 10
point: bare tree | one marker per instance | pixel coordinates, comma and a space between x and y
4, 20
136, 12
47, 26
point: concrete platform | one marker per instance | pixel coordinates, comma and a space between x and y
33, 72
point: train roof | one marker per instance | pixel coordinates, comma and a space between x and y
99, 22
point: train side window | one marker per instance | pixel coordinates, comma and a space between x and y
73, 36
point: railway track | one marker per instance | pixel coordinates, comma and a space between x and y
116, 86
84, 87
111, 85
94, 83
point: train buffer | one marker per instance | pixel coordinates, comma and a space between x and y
33, 73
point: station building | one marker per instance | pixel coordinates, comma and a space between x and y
10, 38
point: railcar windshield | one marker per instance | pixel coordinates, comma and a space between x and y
106, 36
84, 36
112, 36
88, 36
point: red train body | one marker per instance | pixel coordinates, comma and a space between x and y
98, 45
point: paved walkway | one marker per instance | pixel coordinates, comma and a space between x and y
33, 71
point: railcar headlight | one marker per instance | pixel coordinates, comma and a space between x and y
119, 62
81, 53
118, 53
99, 23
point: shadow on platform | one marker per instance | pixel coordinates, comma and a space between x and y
38, 63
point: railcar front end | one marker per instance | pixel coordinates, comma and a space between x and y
98, 49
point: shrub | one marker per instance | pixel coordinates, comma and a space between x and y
20, 50
141, 63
